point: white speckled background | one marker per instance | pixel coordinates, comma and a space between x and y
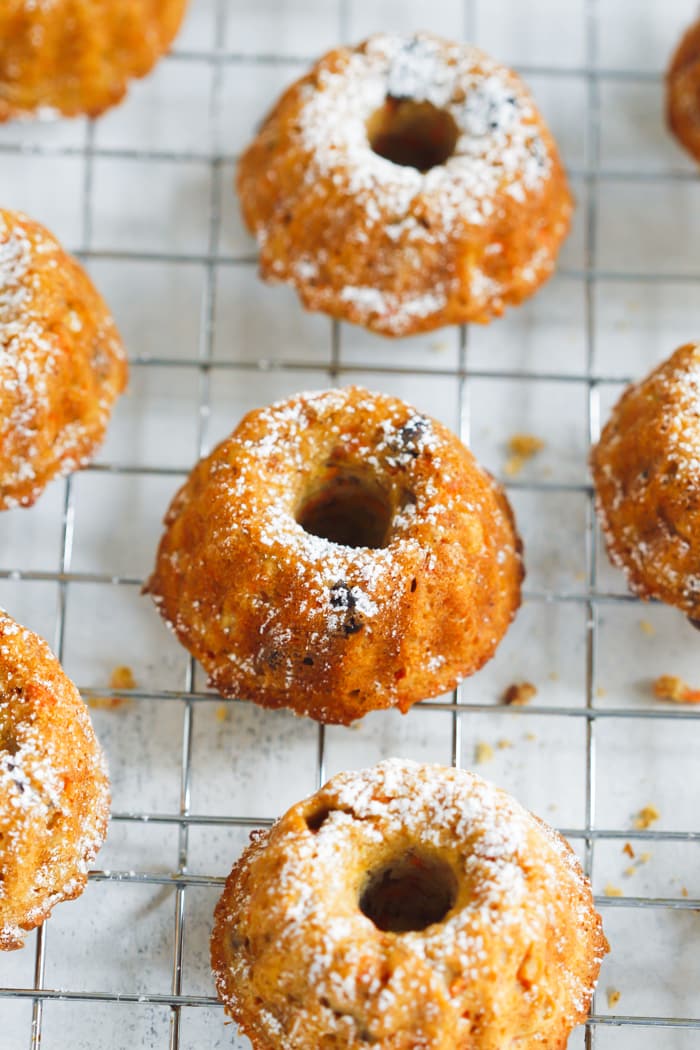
140, 193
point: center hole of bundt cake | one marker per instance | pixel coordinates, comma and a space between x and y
346, 508
412, 134
410, 893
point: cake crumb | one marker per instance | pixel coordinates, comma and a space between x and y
553, 676
521, 448
518, 694
670, 687
612, 891
503, 744
531, 736
122, 677
647, 816
628, 850
684, 891
644, 858
630, 871
222, 712
613, 997
601, 692
483, 752
647, 628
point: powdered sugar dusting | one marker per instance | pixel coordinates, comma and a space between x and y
341, 582
33, 369
519, 888
39, 864
500, 143
500, 154
655, 544
313, 609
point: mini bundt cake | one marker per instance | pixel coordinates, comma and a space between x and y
54, 792
407, 906
646, 469
339, 552
405, 184
683, 92
67, 57
62, 364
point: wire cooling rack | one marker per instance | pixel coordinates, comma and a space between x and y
144, 196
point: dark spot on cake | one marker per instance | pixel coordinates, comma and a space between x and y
342, 596
414, 584
308, 660
274, 659
497, 111
353, 624
411, 434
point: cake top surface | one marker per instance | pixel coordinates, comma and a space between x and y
500, 147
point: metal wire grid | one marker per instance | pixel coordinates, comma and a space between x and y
203, 365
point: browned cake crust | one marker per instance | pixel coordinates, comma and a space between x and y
67, 57
379, 242
683, 91
62, 364
340, 552
407, 907
54, 792
646, 470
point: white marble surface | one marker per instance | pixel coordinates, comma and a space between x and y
119, 937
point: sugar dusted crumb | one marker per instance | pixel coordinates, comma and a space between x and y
647, 628
613, 997
670, 687
613, 891
518, 694
647, 816
628, 850
483, 752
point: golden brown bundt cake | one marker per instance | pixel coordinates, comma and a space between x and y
407, 906
683, 91
405, 184
62, 364
77, 56
646, 470
54, 793
340, 552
